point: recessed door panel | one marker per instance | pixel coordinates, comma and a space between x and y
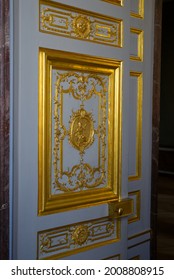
79, 130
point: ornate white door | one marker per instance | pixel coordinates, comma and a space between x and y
82, 128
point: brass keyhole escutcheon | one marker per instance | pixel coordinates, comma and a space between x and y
121, 208
120, 211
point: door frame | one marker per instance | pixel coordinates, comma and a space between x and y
155, 123
6, 125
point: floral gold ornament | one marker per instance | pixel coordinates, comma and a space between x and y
81, 26
80, 234
46, 243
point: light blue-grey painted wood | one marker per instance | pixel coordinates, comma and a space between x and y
144, 184
141, 251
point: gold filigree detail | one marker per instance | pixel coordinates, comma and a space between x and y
82, 87
80, 234
81, 26
110, 228
81, 130
45, 243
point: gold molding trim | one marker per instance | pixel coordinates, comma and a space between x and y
139, 76
135, 258
140, 44
71, 239
140, 234
114, 2
136, 216
140, 13
49, 201
114, 257
67, 21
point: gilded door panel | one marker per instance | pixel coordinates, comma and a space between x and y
79, 130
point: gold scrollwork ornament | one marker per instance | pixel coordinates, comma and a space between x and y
45, 243
82, 26
80, 235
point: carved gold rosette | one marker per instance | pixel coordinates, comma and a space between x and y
81, 26
80, 234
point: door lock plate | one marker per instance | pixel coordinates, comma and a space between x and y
120, 208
